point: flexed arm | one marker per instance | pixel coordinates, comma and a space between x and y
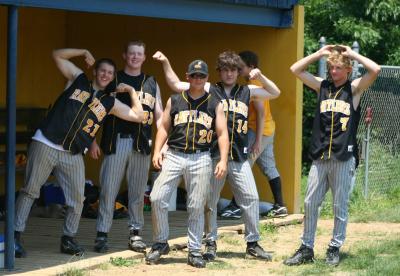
170, 76
269, 90
123, 111
67, 68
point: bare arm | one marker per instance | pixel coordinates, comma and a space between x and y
123, 111
162, 135
299, 68
361, 84
260, 122
158, 109
67, 68
223, 142
270, 91
170, 76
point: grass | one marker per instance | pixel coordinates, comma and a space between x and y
73, 272
371, 258
219, 265
230, 240
119, 261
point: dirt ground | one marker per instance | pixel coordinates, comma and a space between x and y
231, 247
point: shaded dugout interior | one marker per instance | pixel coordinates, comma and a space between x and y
39, 82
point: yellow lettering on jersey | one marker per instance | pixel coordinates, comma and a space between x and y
238, 107
188, 116
344, 121
225, 105
98, 109
80, 95
148, 118
146, 99
339, 106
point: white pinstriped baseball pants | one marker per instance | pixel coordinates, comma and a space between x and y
325, 174
196, 171
112, 172
266, 159
244, 189
69, 170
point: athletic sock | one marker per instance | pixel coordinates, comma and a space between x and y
276, 189
101, 234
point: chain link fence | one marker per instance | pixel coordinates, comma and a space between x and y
383, 97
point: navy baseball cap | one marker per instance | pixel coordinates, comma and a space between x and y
198, 66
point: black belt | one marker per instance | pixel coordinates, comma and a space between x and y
125, 135
190, 151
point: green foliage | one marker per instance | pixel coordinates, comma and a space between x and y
119, 261
372, 23
268, 229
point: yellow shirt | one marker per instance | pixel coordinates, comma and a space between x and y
269, 125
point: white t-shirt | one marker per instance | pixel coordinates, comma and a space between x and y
38, 136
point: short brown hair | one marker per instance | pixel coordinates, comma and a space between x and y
135, 43
230, 60
101, 61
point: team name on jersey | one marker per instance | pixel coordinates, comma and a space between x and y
80, 95
98, 109
330, 105
199, 117
235, 106
146, 99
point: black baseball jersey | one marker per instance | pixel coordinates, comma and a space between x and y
76, 116
192, 122
146, 89
236, 107
335, 123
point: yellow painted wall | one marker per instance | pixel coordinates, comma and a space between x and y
38, 80
181, 41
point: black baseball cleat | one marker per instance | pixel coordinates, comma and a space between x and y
101, 244
302, 255
19, 249
332, 255
211, 251
136, 242
156, 251
195, 259
254, 250
70, 246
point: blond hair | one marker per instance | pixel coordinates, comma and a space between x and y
336, 57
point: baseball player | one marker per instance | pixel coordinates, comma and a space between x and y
127, 147
189, 122
235, 99
261, 138
65, 134
333, 143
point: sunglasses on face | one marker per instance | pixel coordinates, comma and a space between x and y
198, 76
